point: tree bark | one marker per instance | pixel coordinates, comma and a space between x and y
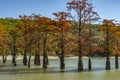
35, 59
44, 60
47, 59
14, 59
25, 58
80, 63
89, 64
4, 58
38, 59
116, 61
14, 50
26, 48
108, 62
107, 50
45, 53
29, 60
62, 64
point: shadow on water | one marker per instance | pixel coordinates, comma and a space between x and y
25, 70
71, 67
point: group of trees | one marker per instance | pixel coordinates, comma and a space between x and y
67, 34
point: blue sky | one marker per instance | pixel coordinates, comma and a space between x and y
108, 9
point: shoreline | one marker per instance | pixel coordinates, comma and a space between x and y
20, 57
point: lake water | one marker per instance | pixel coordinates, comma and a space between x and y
98, 72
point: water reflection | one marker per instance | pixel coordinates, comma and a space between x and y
53, 71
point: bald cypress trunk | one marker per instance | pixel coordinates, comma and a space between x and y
25, 59
80, 62
108, 62
89, 63
14, 49
116, 61
35, 59
45, 52
4, 56
62, 63
29, 60
25, 51
107, 50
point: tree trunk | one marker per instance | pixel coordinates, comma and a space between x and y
25, 49
25, 58
14, 50
29, 60
35, 59
4, 58
89, 60
89, 63
38, 59
38, 62
62, 64
108, 62
14, 59
116, 57
47, 60
45, 54
14, 54
116, 61
107, 50
44, 61
80, 63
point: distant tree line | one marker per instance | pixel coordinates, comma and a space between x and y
65, 35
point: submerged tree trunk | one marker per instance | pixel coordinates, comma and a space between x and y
38, 59
29, 60
89, 63
45, 60
4, 57
25, 58
116, 61
14, 50
38, 62
89, 60
35, 59
25, 49
116, 57
108, 62
80, 63
62, 63
61, 57
14, 59
107, 50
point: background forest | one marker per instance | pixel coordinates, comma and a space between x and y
66, 35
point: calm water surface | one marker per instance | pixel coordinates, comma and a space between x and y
20, 72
